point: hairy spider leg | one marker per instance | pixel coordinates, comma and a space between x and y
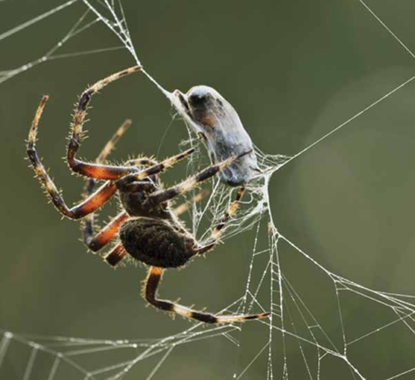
182, 208
150, 294
89, 221
89, 205
190, 183
116, 254
152, 170
106, 235
98, 171
110, 145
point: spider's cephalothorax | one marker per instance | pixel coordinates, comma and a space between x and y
147, 228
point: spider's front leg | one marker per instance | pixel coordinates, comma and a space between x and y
192, 182
89, 205
93, 170
98, 170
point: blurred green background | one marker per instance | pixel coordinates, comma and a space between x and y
294, 70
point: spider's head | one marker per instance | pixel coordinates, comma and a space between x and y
211, 116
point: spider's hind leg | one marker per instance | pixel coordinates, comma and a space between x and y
150, 294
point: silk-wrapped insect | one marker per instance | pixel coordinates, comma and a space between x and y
215, 120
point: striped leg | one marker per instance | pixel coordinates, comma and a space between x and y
106, 235
110, 145
98, 171
125, 181
192, 182
181, 209
116, 254
89, 205
150, 293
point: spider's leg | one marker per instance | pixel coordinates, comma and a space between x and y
129, 179
112, 173
89, 220
116, 254
192, 182
98, 171
104, 236
110, 145
150, 293
229, 214
91, 204
182, 208
142, 161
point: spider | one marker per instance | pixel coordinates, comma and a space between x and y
147, 228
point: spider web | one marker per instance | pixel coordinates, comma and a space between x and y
300, 340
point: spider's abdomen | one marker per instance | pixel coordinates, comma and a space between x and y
156, 243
